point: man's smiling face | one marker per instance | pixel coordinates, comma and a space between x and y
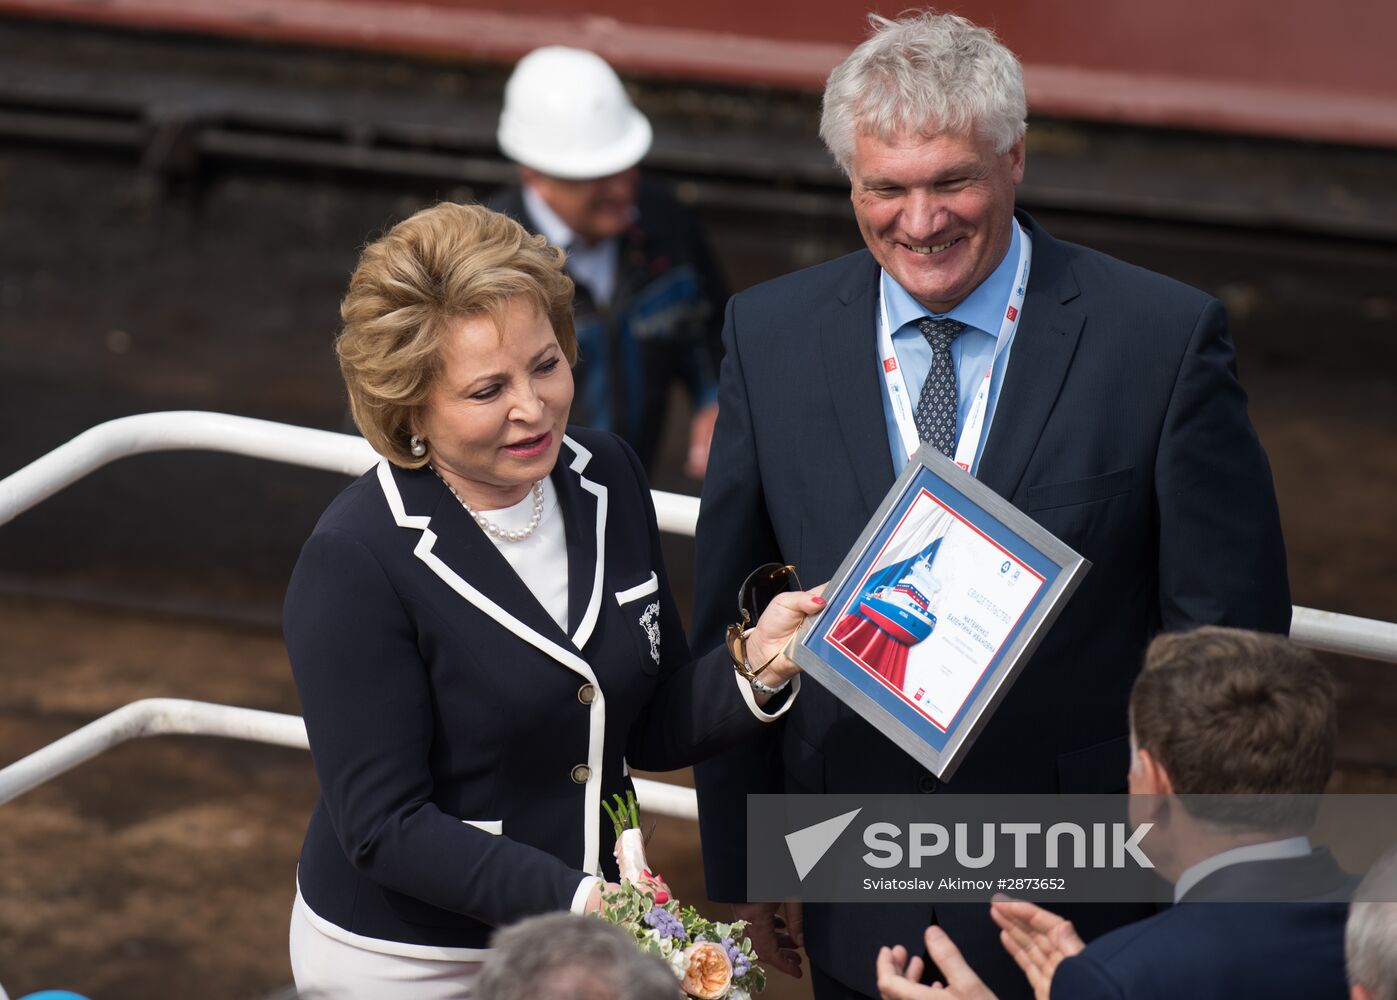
937, 212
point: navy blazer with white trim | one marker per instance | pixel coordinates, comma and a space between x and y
462, 767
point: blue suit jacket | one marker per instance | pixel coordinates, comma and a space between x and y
464, 742
1121, 428
1205, 948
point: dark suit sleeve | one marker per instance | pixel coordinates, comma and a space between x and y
1081, 978
1221, 557
734, 537
700, 705
367, 702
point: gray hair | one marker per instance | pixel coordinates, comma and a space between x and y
1370, 939
563, 956
928, 73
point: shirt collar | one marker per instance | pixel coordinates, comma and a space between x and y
1272, 850
982, 309
556, 231
550, 227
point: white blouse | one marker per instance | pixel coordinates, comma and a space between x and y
541, 560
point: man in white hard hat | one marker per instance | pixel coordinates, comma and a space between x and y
649, 293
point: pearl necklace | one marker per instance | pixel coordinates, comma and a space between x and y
494, 530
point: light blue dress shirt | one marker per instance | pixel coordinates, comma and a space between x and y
972, 352
594, 266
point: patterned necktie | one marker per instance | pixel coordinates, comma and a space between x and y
936, 408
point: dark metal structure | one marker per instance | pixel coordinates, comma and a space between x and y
184, 185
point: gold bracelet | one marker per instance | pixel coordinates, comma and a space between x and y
737, 652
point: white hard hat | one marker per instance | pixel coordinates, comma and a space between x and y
566, 115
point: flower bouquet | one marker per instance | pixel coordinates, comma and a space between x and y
711, 960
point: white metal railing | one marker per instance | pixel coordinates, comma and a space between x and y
170, 716
198, 430
349, 454
149, 717
1347, 634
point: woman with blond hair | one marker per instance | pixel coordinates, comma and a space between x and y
481, 629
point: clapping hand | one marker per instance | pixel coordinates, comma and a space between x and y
1036, 938
898, 975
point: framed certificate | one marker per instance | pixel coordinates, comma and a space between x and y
931, 616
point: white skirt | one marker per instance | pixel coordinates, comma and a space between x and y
324, 966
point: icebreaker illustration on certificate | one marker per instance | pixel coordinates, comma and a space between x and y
931, 615
937, 605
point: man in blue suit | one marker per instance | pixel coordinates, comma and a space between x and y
1099, 398
1234, 736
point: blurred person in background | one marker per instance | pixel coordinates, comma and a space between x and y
650, 295
481, 628
561, 956
1099, 398
1243, 726
1370, 939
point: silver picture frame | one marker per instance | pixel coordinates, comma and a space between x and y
872, 639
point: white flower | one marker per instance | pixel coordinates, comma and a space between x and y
679, 962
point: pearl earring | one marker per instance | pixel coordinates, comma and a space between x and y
417, 446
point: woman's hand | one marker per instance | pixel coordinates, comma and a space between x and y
594, 901
775, 628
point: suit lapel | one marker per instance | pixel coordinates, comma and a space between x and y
848, 333
584, 507
1038, 362
457, 551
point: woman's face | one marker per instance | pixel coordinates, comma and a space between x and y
495, 417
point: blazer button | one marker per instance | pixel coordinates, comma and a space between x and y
926, 783
587, 693
581, 774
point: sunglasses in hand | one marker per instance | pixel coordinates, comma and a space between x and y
762, 585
